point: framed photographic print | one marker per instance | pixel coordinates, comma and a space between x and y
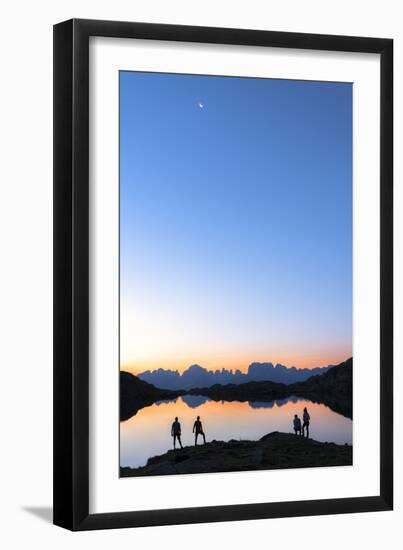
223, 259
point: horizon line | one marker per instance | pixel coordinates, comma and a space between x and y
137, 371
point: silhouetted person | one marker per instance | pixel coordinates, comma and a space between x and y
297, 425
198, 429
306, 418
176, 432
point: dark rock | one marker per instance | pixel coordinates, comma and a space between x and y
273, 451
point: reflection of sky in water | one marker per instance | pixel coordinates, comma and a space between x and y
148, 432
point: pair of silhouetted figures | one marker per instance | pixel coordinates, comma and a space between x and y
305, 426
176, 431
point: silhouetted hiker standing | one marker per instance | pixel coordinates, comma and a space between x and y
198, 429
176, 432
306, 418
297, 425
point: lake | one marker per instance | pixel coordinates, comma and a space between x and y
147, 433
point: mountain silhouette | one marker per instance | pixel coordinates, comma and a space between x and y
197, 376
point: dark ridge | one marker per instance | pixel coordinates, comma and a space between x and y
334, 388
136, 394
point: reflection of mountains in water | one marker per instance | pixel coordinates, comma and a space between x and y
333, 388
195, 401
192, 401
278, 402
165, 401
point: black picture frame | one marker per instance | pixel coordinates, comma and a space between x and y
71, 274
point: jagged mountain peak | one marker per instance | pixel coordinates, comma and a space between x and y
195, 368
197, 376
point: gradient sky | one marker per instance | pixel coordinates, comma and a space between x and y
236, 221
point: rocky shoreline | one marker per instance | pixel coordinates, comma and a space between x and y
276, 450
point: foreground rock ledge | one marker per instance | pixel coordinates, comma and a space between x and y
273, 451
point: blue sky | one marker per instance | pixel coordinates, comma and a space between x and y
236, 221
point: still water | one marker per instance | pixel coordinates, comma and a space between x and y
148, 433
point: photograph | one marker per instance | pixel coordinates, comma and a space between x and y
236, 274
